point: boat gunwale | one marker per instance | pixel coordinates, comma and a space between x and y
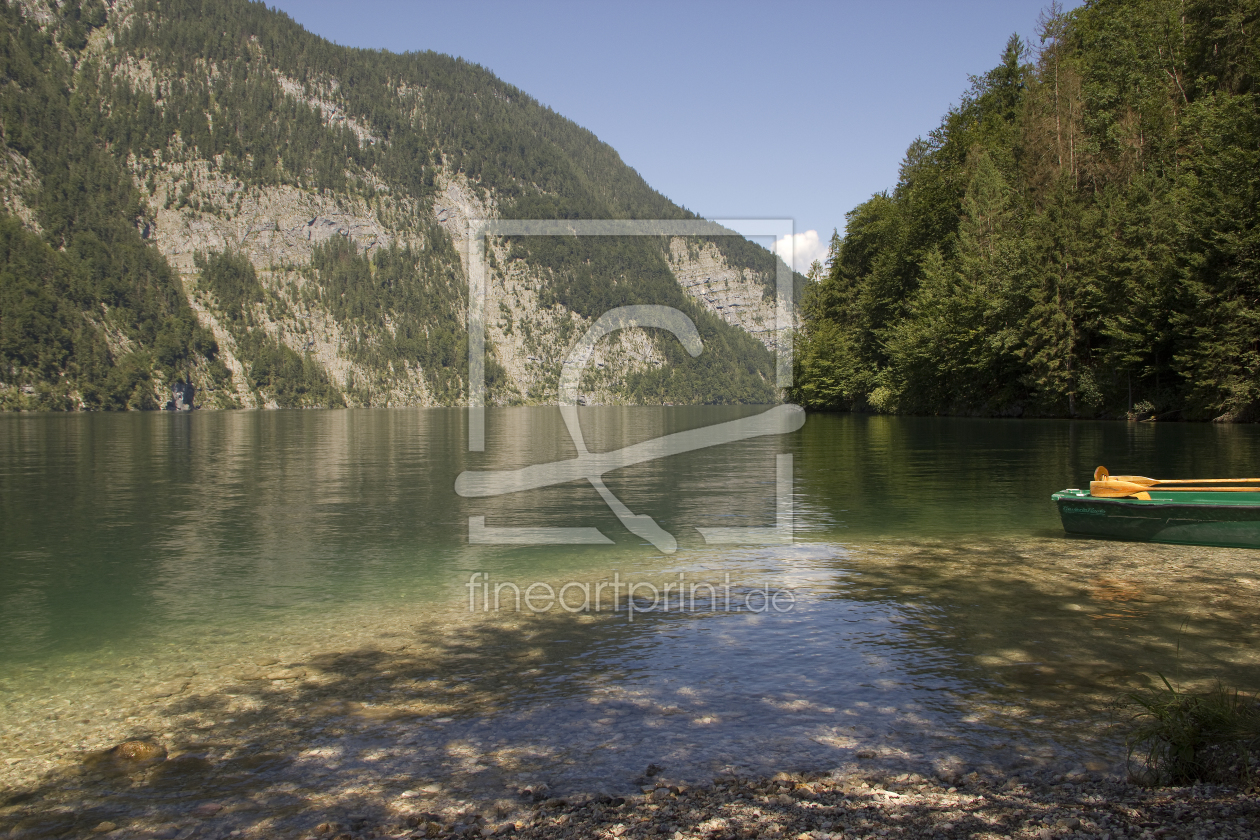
1102, 500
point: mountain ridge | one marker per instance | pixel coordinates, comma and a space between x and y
233, 131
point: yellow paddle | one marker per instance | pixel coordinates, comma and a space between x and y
1151, 482
1109, 486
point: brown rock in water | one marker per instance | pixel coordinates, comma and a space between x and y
129, 757
139, 753
168, 689
286, 674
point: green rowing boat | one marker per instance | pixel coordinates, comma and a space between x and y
1221, 511
1185, 518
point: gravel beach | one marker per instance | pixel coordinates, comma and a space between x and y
813, 807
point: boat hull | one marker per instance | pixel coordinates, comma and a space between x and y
1217, 519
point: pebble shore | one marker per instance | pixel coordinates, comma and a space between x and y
842, 805
831, 807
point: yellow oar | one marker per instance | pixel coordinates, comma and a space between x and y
1113, 489
1109, 486
1151, 482
1101, 474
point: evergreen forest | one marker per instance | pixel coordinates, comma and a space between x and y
1077, 238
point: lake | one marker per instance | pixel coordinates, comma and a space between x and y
288, 601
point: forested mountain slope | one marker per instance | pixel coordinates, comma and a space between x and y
204, 194
1078, 237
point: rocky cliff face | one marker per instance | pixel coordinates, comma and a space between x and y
741, 297
276, 227
195, 203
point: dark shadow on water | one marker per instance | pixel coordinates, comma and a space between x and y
1051, 620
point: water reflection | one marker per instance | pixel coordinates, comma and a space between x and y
903, 477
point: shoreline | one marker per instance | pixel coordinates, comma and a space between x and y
841, 805
1040, 805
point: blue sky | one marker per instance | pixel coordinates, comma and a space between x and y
796, 110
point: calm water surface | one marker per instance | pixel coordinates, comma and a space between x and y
282, 599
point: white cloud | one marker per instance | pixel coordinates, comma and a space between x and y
801, 249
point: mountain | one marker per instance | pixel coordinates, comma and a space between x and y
204, 202
1079, 237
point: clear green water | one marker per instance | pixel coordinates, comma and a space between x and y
153, 567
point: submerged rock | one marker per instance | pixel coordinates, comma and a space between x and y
128, 757
285, 673
168, 689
